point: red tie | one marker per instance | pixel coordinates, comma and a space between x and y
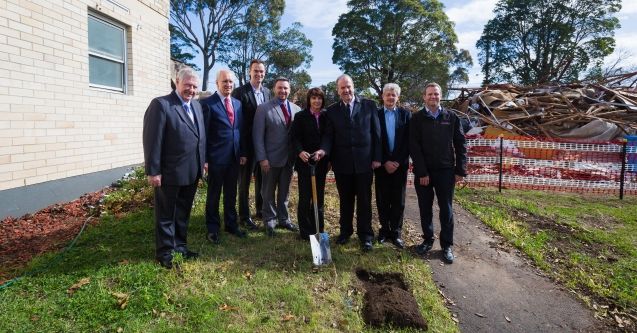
286, 115
230, 111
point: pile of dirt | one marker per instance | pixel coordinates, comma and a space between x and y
388, 301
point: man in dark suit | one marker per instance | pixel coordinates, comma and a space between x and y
273, 150
391, 178
439, 153
251, 95
223, 118
352, 140
174, 140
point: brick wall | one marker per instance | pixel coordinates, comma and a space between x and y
52, 124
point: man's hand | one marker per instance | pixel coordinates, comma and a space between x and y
265, 166
304, 156
205, 168
391, 166
154, 181
424, 181
375, 165
318, 155
243, 160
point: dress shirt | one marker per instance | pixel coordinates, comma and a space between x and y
258, 94
390, 126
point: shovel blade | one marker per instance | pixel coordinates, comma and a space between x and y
320, 245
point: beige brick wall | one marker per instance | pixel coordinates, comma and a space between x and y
52, 124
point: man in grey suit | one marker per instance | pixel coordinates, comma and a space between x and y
273, 151
251, 95
174, 141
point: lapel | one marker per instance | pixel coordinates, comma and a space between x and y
220, 108
236, 106
357, 107
253, 99
383, 128
279, 112
266, 94
181, 113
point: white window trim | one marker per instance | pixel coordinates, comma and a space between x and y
103, 56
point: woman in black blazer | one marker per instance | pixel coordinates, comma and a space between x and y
307, 128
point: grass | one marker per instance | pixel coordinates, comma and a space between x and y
108, 281
588, 243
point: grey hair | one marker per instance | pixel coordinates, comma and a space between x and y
186, 72
343, 76
392, 87
432, 84
234, 77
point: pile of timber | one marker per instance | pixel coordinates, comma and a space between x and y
590, 111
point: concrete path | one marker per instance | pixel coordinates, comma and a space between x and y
490, 287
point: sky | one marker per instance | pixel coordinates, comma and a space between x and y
319, 16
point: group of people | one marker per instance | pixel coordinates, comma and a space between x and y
237, 133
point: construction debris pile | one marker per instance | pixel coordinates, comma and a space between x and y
591, 111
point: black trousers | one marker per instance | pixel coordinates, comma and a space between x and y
245, 176
355, 189
222, 177
172, 213
390, 200
305, 208
442, 183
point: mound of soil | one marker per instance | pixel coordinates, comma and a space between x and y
388, 301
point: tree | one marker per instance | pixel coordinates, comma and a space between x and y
540, 41
202, 25
179, 48
288, 54
409, 42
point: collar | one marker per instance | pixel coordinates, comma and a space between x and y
182, 101
259, 90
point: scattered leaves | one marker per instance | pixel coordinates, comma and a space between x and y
79, 284
247, 275
225, 308
122, 299
287, 317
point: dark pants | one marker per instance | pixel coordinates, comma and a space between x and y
390, 200
245, 176
355, 188
222, 177
172, 213
305, 207
442, 182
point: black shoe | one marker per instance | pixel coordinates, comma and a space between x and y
190, 255
399, 242
367, 245
289, 225
259, 216
342, 240
447, 254
249, 224
237, 232
423, 248
269, 231
304, 237
382, 239
165, 263
213, 238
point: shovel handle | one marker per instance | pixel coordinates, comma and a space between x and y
315, 198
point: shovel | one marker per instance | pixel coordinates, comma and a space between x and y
319, 242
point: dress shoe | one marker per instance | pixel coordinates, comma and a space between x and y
248, 223
288, 225
165, 263
367, 245
399, 242
213, 238
259, 216
237, 232
190, 255
269, 231
423, 248
447, 254
342, 240
382, 239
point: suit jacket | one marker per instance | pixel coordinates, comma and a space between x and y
352, 143
174, 147
306, 136
401, 137
223, 139
271, 134
245, 95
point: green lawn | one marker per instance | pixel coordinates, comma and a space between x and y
587, 242
243, 285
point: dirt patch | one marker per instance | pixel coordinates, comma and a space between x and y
388, 301
49, 229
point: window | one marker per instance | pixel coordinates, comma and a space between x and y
106, 54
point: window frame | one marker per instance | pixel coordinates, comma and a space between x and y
123, 61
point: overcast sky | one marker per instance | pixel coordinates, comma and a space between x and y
470, 16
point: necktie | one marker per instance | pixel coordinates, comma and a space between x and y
189, 113
349, 110
229, 111
286, 114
